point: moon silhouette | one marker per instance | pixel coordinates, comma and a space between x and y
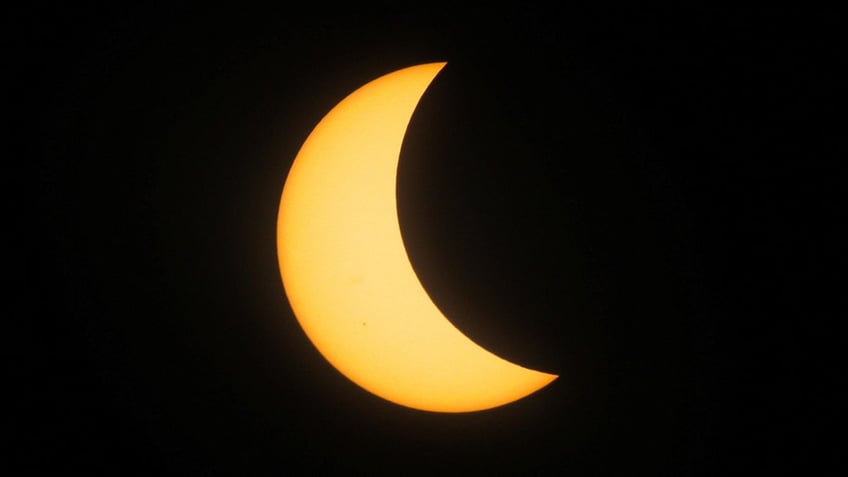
347, 275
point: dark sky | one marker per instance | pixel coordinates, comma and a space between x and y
641, 201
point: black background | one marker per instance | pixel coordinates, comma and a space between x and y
641, 201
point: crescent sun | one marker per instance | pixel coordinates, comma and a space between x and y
346, 272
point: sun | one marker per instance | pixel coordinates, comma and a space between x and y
347, 274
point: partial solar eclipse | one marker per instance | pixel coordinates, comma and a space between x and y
347, 275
